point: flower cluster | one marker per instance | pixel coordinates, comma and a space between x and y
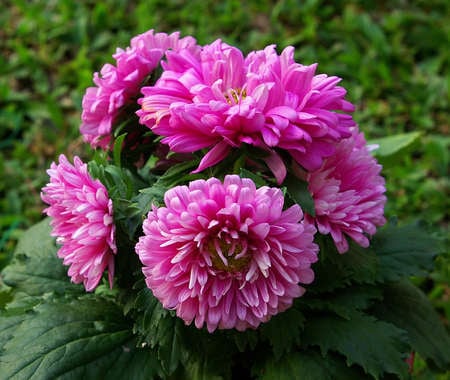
117, 85
224, 250
220, 99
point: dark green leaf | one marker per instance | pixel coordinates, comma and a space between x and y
334, 270
118, 149
177, 174
85, 338
404, 251
259, 181
308, 365
158, 329
199, 370
151, 195
344, 302
298, 191
35, 268
377, 346
283, 331
247, 339
9, 322
407, 307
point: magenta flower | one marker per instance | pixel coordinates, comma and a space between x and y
226, 254
82, 221
220, 99
117, 85
348, 193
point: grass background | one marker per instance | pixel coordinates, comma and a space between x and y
393, 56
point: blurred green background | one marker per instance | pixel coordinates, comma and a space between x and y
393, 56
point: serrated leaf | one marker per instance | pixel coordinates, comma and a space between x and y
151, 195
177, 174
343, 302
334, 270
158, 329
403, 251
299, 193
85, 338
407, 307
308, 365
283, 331
199, 370
247, 339
378, 347
206, 357
35, 268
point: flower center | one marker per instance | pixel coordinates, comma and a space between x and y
228, 256
235, 95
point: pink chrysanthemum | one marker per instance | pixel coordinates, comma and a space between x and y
226, 254
348, 193
220, 99
116, 85
82, 221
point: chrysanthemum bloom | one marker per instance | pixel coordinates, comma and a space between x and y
226, 254
348, 193
219, 100
82, 221
117, 85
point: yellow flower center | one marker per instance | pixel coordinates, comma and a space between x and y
227, 257
235, 95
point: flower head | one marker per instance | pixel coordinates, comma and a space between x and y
348, 193
116, 85
82, 221
220, 99
226, 254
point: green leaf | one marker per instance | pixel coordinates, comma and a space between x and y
308, 365
404, 251
392, 145
117, 150
334, 270
200, 370
85, 338
158, 329
35, 268
177, 174
299, 193
343, 302
259, 181
283, 331
151, 195
245, 339
408, 308
379, 347
9, 322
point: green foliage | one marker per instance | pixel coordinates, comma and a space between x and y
308, 365
404, 251
392, 57
359, 319
392, 146
298, 191
382, 354
406, 306
36, 269
282, 340
394, 62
